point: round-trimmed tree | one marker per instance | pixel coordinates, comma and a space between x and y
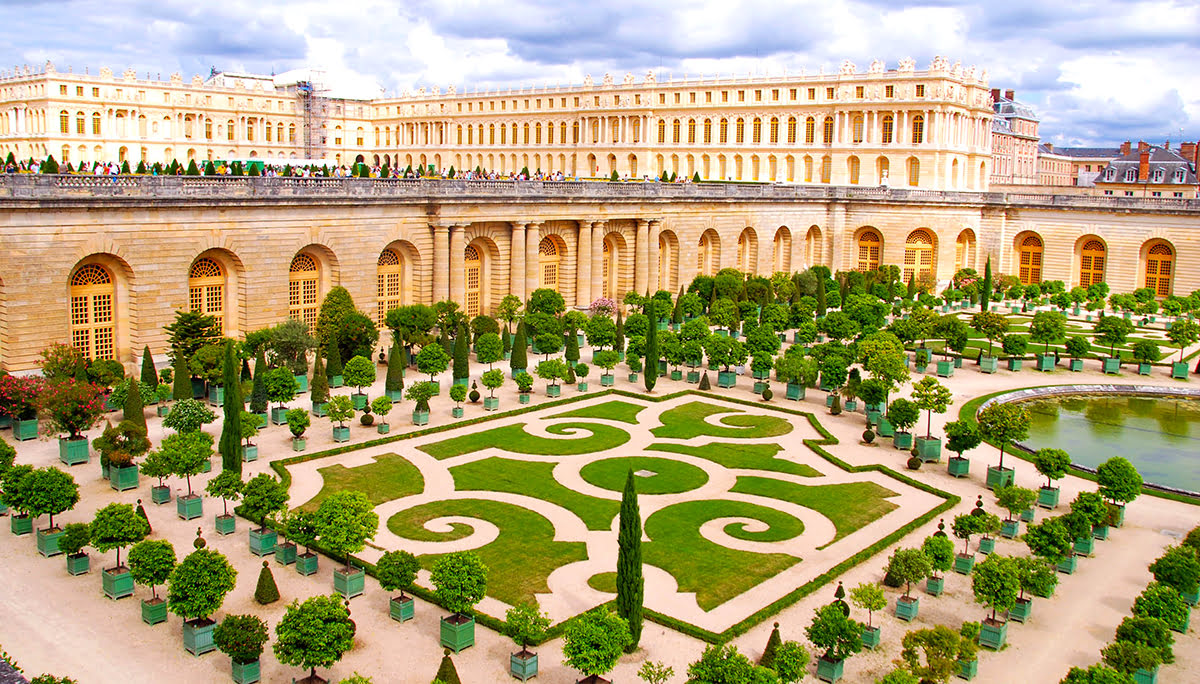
459, 580
198, 585
315, 633
594, 642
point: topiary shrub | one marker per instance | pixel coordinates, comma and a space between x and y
868, 436
914, 463
266, 592
704, 384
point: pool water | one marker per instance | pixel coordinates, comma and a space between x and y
1159, 435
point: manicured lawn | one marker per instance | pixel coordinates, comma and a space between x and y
534, 479
716, 573
514, 439
390, 477
621, 411
670, 476
744, 456
849, 506
605, 581
518, 561
688, 421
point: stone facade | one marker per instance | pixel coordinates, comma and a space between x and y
272, 247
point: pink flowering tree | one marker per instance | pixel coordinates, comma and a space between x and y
19, 396
71, 407
603, 306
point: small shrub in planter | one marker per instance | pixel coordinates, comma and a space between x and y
75, 537
525, 624
1162, 601
996, 584
869, 596
314, 633
492, 380
1015, 500
421, 393
1053, 464
340, 409
458, 393
940, 551
382, 406
908, 566
151, 562
1119, 482
228, 487
242, 638
195, 590
837, 635
397, 570
460, 582
1179, 568
298, 421
344, 522
1003, 424
47, 491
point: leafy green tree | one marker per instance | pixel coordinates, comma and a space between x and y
315, 633
227, 486
835, 633
1112, 330
1051, 463
964, 527
940, 551
1096, 674
594, 641
258, 392
908, 566
939, 646
48, 491
1046, 328
489, 349
654, 672
116, 526
525, 624
995, 583
459, 580
961, 436
630, 582
231, 428
1002, 424
359, 373
241, 637
345, 521
1146, 351
1178, 567
931, 396
1119, 480
188, 415
334, 308
992, 326
1150, 632
187, 452
262, 497
197, 586
1015, 500
1130, 656
1183, 333
868, 596
189, 332
432, 360
1162, 601
397, 570
333, 362
134, 409
903, 414
151, 562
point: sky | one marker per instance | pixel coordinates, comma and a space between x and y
1097, 72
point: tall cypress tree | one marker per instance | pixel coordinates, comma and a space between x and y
246, 375
318, 390
630, 584
650, 377
333, 362
519, 361
820, 295
620, 343
395, 372
258, 391
985, 292
571, 352
149, 375
462, 354
677, 312
181, 388
231, 430
134, 409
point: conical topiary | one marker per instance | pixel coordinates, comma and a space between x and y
394, 382
266, 592
181, 388
704, 384
446, 673
149, 375
773, 643
142, 512
620, 343
247, 376
134, 409
319, 388
519, 361
333, 361
462, 359
258, 391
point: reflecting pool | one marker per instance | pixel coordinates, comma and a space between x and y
1159, 435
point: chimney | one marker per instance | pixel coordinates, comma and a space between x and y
995, 94
1125, 148
1190, 152
1143, 146
1010, 94
1143, 164
1049, 147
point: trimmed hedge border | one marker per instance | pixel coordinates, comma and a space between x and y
555, 631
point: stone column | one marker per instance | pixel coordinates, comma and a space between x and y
516, 261
653, 282
640, 257
532, 240
458, 284
583, 264
597, 258
441, 262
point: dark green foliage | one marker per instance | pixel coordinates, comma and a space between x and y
394, 382
266, 592
446, 674
704, 385
181, 387
149, 375
258, 392
231, 429
134, 410
319, 387
192, 169
630, 583
519, 358
462, 350
650, 378
985, 291
189, 332
773, 643
333, 361
821, 306
620, 339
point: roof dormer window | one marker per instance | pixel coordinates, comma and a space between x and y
1158, 175
1178, 178
1130, 175
1110, 174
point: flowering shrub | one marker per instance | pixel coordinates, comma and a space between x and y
71, 406
603, 306
61, 361
19, 396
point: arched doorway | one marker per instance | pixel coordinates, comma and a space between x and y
709, 253
869, 247
747, 252
918, 256
781, 257
1030, 260
389, 272
812, 246
964, 250
93, 294
303, 289
1160, 262
206, 290
668, 260
549, 259
1091, 263
473, 271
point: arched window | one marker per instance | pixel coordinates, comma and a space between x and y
1030, 260
827, 131
888, 123
666, 265
548, 262
791, 130
303, 287
675, 131
64, 122
1091, 263
810, 130
918, 256
1159, 262
774, 131
724, 131
756, 131
691, 131
525, 132
92, 312
608, 284
964, 250
389, 274
96, 123
662, 131
812, 246
781, 256
740, 132
852, 169
914, 171
473, 270
918, 129
708, 131
206, 290
868, 251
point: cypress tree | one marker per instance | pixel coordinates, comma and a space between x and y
462, 354
318, 390
231, 430
125, 168
266, 592
258, 393
446, 342
192, 169
677, 312
620, 343
181, 388
506, 341
820, 295
912, 287
630, 584
518, 360
333, 361
134, 410
773, 644
395, 372
650, 377
572, 347
246, 375
141, 167
985, 292
446, 672
149, 375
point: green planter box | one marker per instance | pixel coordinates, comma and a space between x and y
207, 466
934, 586
884, 427
829, 670
125, 477
1048, 497
1021, 610
491, 403
263, 419
198, 636
216, 395
249, 453
1045, 362
1076, 365
1009, 529
394, 395
924, 355
456, 412
958, 362
189, 507
420, 417
958, 467
554, 390
341, 434
1100, 532
930, 450
20, 525
968, 669
1146, 676
73, 451
285, 553
1118, 518
523, 665
726, 379
47, 541
383, 428
1085, 546
246, 673
794, 391
1014, 364
759, 386
515, 371
850, 406
5, 422
117, 583
299, 443
262, 542
945, 369
359, 401
1068, 565
993, 635
336, 381
523, 398
301, 383
987, 545
1192, 598
693, 376
581, 387
997, 478
225, 524
162, 410
633, 377
279, 415
25, 430
306, 563
963, 565
320, 408
1144, 368
78, 564
197, 388
1111, 365
908, 608
1179, 371
402, 608
349, 584
607, 380
458, 632
870, 637
1027, 515
154, 611
677, 375
902, 440
988, 364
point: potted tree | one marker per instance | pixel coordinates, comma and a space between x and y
940, 647
908, 566
359, 373
940, 551
71, 407
1031, 575
458, 393
242, 638
839, 636
314, 634
1091, 508
432, 360
249, 430
1183, 333
189, 415
1162, 601
581, 373
525, 624
552, 371
340, 409
992, 326
1002, 424
195, 590
964, 527
1078, 347
961, 436
344, 522
1146, 353
75, 537
228, 487
318, 394
398, 570
1112, 331
1053, 464
150, 563
1046, 328
1053, 541
301, 528
723, 352
930, 396
115, 527
492, 380
188, 452
20, 403
968, 650
1014, 347
524, 386
1120, 483
1016, 500
382, 406
869, 596
118, 446
995, 584
162, 395
1179, 567
606, 359
460, 581
48, 491
902, 414
421, 393
297, 420
593, 643
281, 388
263, 496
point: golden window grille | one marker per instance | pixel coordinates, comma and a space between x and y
918, 255
854, 170
302, 289
1030, 270
206, 290
1091, 263
387, 292
473, 268
92, 292
605, 269
1159, 263
868, 251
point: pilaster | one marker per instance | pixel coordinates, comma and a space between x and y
653, 282
516, 274
640, 257
583, 264
533, 240
458, 284
597, 259
441, 261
